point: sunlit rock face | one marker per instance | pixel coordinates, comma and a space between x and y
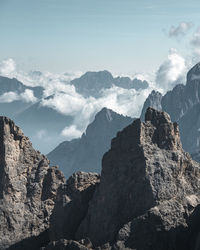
28, 187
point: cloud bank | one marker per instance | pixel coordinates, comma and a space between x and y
65, 100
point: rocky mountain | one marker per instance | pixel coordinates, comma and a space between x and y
147, 198
85, 153
28, 189
183, 105
92, 83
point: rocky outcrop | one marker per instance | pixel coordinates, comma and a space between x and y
149, 189
28, 190
85, 153
72, 204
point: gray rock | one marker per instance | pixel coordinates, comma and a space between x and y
28, 189
149, 188
72, 204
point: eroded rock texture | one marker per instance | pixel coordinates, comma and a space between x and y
72, 204
28, 189
149, 188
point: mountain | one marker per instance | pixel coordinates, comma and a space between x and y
149, 188
13, 85
92, 83
154, 101
183, 105
148, 195
28, 189
12, 108
85, 153
37, 119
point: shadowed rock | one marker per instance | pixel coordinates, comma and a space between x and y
149, 187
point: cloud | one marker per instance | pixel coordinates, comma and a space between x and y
195, 42
71, 132
171, 72
7, 67
196, 38
180, 30
65, 100
26, 96
9, 97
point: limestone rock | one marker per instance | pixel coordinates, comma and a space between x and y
149, 188
72, 204
28, 188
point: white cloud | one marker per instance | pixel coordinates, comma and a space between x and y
71, 132
9, 97
7, 67
180, 30
26, 96
171, 72
67, 101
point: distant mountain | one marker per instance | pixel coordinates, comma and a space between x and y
154, 101
91, 83
11, 109
85, 153
183, 105
38, 118
13, 85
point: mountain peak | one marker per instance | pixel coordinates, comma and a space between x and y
194, 73
105, 113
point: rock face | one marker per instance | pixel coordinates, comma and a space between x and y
147, 198
28, 189
72, 204
149, 188
183, 105
85, 154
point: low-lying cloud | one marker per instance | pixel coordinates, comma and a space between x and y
66, 101
171, 72
26, 96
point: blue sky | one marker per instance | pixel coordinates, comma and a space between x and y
79, 35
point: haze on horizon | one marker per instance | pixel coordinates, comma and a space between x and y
74, 35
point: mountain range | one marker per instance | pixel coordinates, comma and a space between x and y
92, 83
147, 197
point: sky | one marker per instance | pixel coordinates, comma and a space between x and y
123, 36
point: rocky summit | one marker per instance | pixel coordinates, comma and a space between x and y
148, 191
147, 198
